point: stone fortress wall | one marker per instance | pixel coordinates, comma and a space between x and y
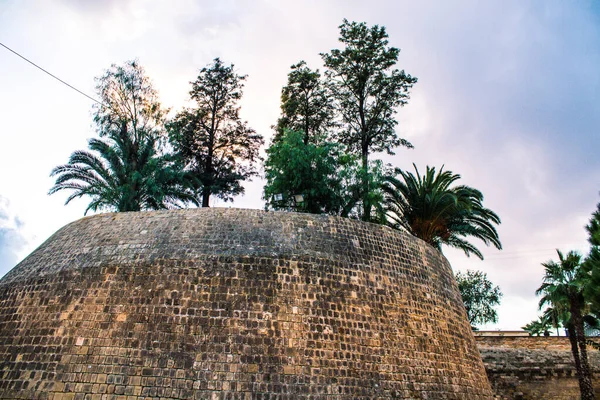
532, 368
234, 304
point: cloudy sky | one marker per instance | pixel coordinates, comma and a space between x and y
507, 97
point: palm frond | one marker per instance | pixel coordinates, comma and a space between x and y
124, 174
430, 208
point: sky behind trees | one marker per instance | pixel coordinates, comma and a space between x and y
507, 96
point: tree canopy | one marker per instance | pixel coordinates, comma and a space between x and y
591, 264
294, 167
593, 228
216, 146
121, 175
367, 91
480, 296
125, 171
429, 208
306, 105
537, 327
563, 289
128, 99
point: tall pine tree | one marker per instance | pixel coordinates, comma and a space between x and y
214, 143
305, 105
367, 90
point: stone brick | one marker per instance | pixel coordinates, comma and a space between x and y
225, 303
531, 368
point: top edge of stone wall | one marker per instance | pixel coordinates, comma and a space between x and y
527, 342
186, 234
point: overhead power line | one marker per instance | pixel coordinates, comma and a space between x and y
52, 75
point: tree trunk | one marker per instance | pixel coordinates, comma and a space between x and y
574, 349
208, 167
207, 180
365, 185
205, 198
132, 201
584, 373
364, 142
306, 121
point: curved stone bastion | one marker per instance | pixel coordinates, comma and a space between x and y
234, 304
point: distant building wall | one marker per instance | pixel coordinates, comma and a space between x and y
501, 333
533, 368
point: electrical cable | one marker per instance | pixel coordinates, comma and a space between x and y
52, 75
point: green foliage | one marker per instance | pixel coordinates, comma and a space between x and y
571, 287
562, 280
537, 327
367, 88
215, 145
555, 317
591, 265
353, 176
122, 175
429, 208
480, 296
562, 289
306, 105
593, 228
294, 167
329, 179
552, 317
367, 92
125, 170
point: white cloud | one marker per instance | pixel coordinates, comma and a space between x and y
12, 237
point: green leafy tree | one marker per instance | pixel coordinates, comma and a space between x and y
305, 105
591, 265
215, 145
353, 175
593, 228
563, 289
430, 209
294, 168
480, 296
368, 91
124, 170
328, 179
122, 175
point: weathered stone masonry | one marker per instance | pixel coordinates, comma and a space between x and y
533, 368
234, 304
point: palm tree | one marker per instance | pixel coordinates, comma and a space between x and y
562, 288
431, 210
555, 317
537, 327
124, 174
